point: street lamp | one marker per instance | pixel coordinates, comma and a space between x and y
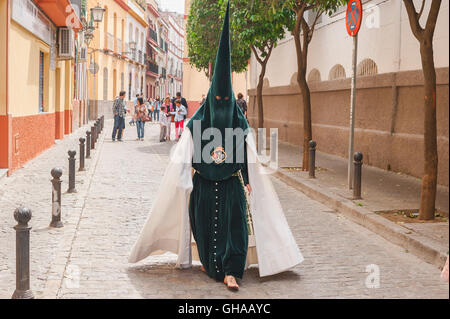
97, 13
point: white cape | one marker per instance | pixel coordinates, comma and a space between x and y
168, 228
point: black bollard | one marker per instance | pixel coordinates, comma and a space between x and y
22, 216
72, 172
97, 125
88, 144
357, 164
92, 137
82, 145
56, 198
312, 159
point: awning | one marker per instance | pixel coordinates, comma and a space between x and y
61, 13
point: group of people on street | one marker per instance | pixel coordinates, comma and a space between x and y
146, 110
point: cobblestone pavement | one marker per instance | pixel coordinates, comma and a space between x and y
93, 247
30, 186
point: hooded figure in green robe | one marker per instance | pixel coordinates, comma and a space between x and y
218, 205
207, 175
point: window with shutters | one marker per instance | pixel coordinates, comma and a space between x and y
105, 84
122, 82
41, 81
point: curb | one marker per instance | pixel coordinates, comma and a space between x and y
424, 248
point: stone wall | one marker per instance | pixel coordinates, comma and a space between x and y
388, 118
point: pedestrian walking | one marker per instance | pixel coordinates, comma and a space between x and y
242, 104
183, 102
119, 111
135, 103
141, 116
150, 107
180, 113
213, 203
170, 117
163, 123
157, 107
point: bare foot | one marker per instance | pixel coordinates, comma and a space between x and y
203, 269
231, 283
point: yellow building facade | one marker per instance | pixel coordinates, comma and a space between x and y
36, 86
112, 55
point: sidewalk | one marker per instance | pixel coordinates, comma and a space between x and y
381, 191
30, 186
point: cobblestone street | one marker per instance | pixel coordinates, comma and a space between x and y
87, 258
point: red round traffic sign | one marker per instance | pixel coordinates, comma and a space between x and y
353, 17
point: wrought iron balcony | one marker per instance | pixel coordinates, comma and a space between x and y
153, 35
109, 42
152, 67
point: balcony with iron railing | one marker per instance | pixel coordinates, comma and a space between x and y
119, 47
152, 35
139, 57
109, 44
152, 68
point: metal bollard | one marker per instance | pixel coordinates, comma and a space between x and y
56, 198
82, 146
312, 159
357, 164
72, 172
99, 130
92, 137
22, 216
88, 144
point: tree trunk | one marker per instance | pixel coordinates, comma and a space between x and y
259, 96
307, 128
429, 179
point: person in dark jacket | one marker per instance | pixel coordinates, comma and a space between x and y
242, 104
183, 102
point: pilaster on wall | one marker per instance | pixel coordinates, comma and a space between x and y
5, 118
68, 99
59, 104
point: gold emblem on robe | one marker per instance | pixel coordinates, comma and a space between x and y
219, 155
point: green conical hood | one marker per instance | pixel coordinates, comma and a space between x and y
219, 111
221, 84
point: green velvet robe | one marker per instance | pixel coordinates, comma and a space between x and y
218, 206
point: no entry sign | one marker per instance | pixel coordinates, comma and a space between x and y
354, 17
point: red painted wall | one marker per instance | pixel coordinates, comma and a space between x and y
59, 125
68, 116
192, 107
5, 143
31, 135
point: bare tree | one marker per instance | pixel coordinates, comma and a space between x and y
425, 37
